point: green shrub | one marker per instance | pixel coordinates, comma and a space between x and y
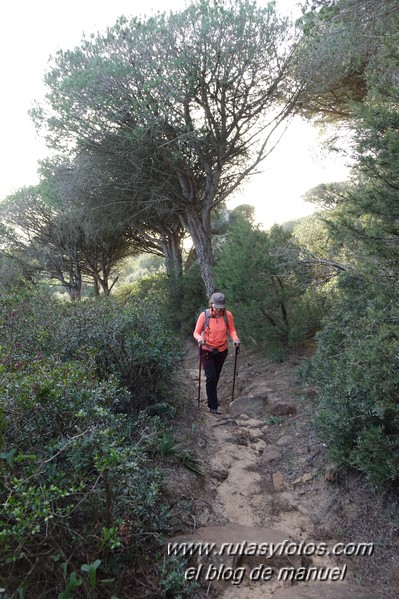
172, 580
127, 339
78, 480
134, 345
355, 370
151, 287
81, 478
29, 323
271, 306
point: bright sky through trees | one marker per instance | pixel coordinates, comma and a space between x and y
31, 31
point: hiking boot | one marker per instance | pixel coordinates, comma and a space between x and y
212, 411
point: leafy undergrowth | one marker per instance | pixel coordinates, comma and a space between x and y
87, 398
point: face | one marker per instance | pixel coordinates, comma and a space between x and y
218, 310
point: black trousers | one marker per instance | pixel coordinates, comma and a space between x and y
212, 365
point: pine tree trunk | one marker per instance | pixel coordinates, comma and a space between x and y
172, 250
200, 231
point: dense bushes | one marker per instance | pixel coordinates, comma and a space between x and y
356, 372
272, 306
79, 481
126, 339
80, 454
356, 368
131, 343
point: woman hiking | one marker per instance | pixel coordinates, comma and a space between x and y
211, 332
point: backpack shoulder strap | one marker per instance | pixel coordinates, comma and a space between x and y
207, 313
226, 321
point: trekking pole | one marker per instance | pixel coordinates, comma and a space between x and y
199, 377
235, 369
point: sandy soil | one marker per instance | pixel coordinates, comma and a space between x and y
270, 473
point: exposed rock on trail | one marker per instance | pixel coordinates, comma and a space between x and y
267, 487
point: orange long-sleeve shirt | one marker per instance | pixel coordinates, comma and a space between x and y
215, 334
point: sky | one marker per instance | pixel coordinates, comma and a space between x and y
33, 30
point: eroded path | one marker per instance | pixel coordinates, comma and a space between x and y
262, 489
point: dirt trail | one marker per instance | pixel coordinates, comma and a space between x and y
266, 478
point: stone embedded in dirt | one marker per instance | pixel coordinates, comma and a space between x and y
252, 423
282, 408
278, 482
255, 433
315, 590
222, 421
220, 474
259, 445
285, 440
255, 406
331, 472
242, 420
270, 455
242, 437
244, 417
307, 477
298, 481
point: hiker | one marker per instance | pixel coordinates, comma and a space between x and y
211, 331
